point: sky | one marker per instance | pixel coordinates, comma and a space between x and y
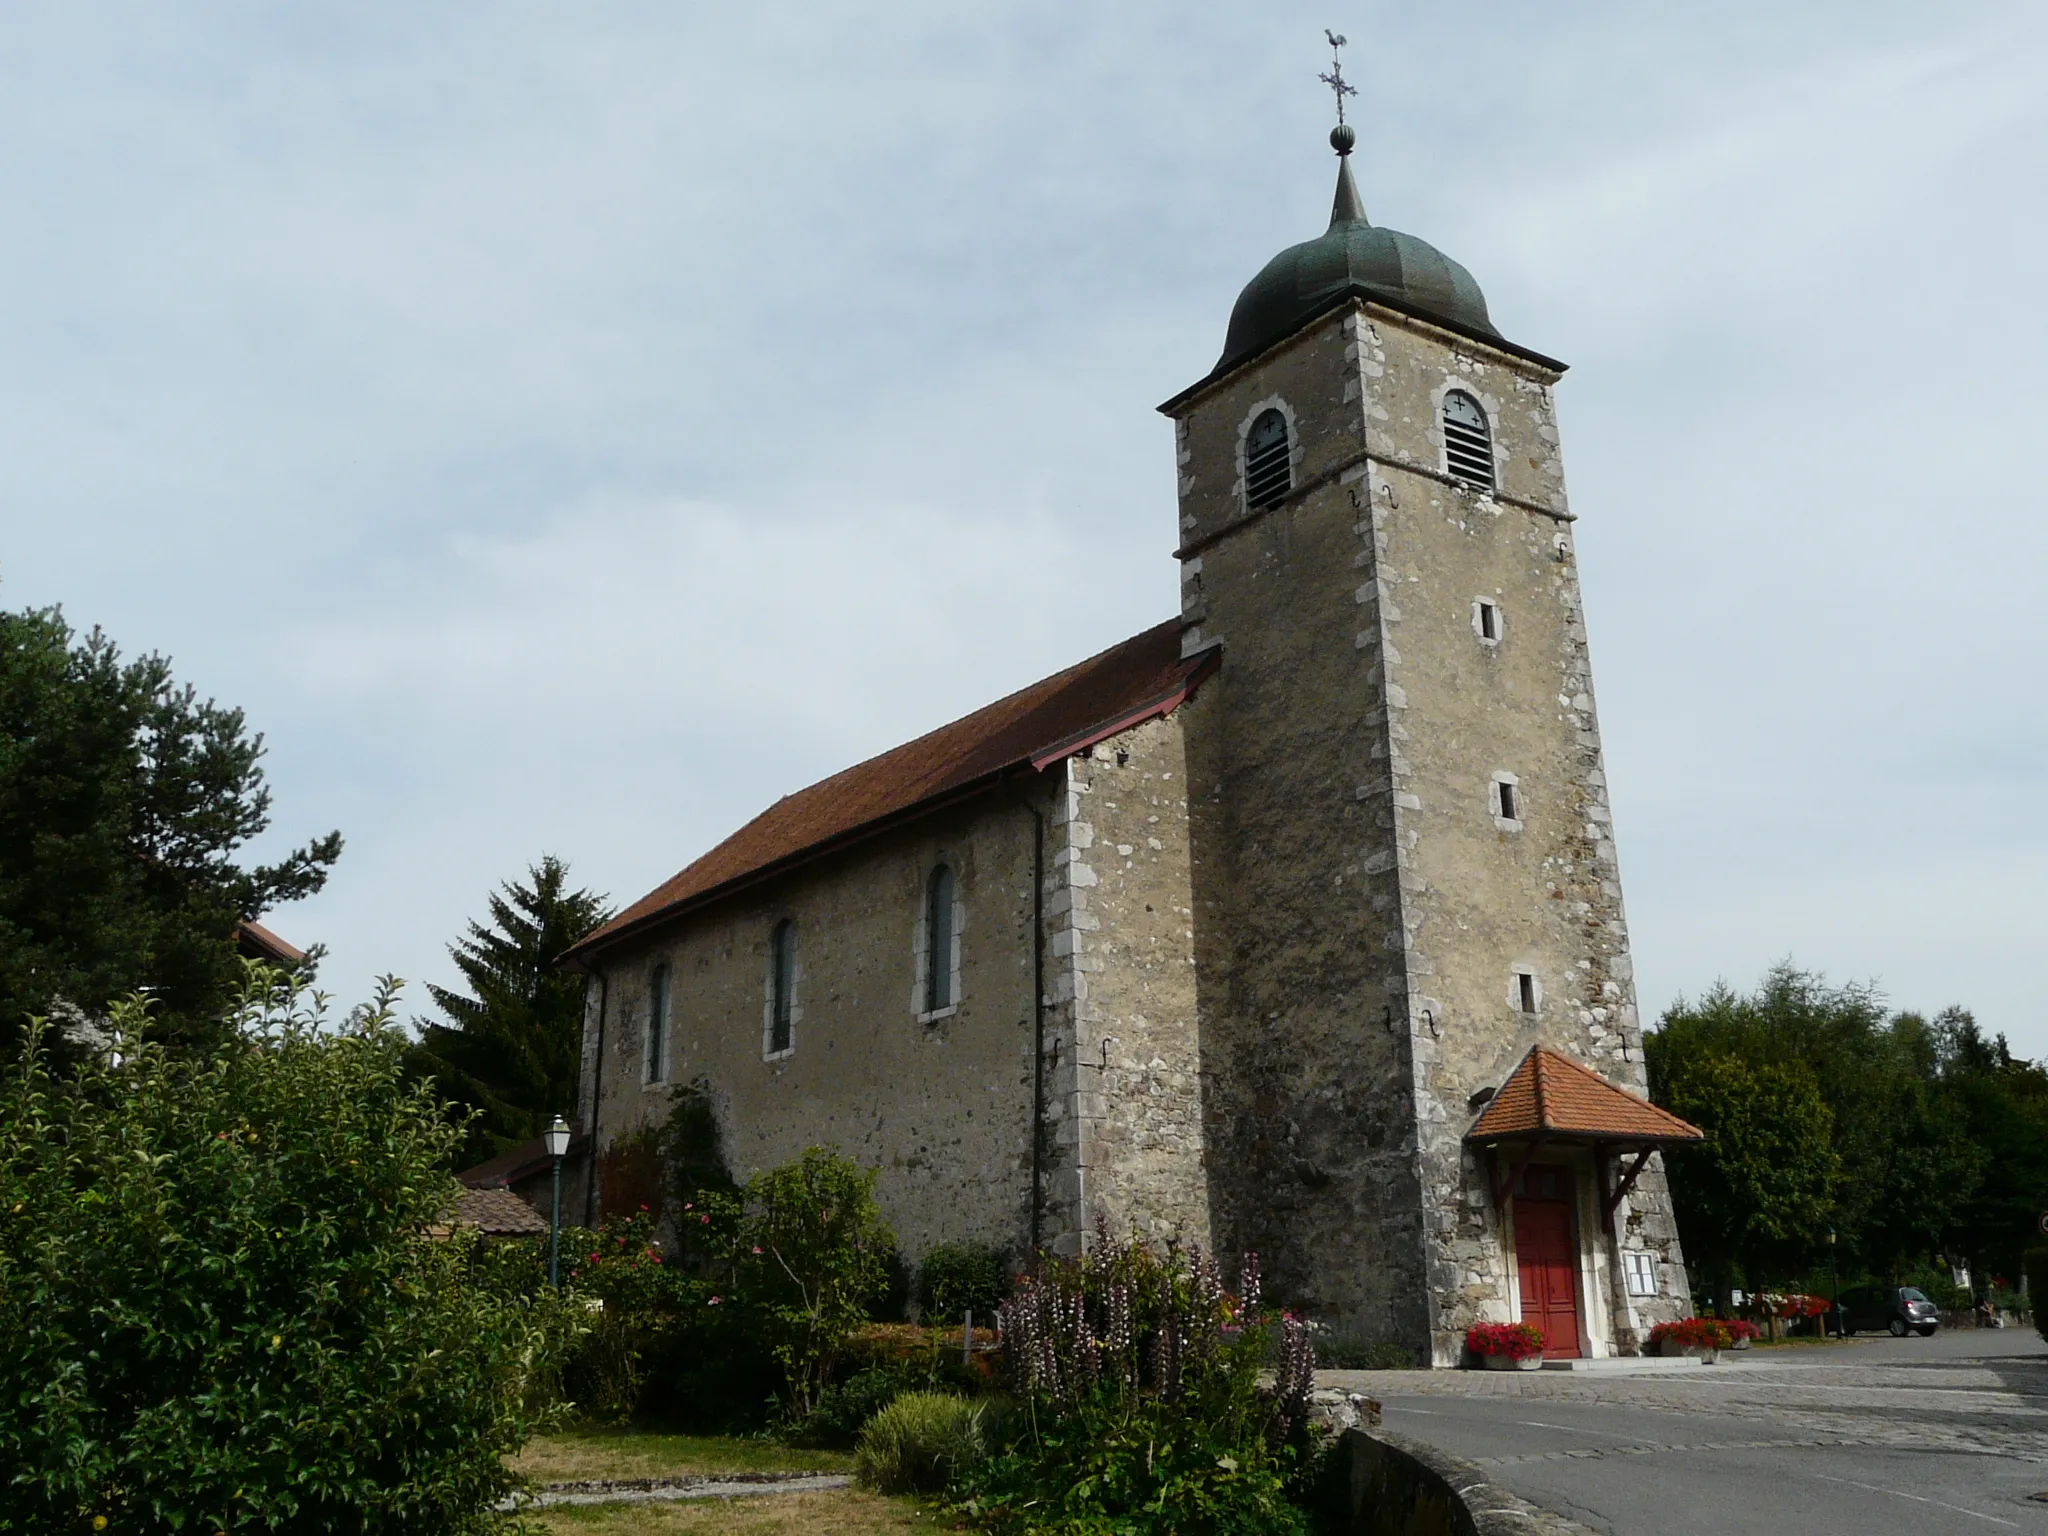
565, 431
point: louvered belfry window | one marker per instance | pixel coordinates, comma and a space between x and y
1468, 444
1268, 461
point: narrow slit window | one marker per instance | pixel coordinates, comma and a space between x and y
1268, 460
782, 997
1486, 620
657, 1024
1468, 440
938, 949
1508, 809
1525, 991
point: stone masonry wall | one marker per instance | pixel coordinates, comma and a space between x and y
1298, 941
943, 1108
1137, 1064
1486, 896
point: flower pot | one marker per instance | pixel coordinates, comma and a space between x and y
1510, 1363
1673, 1350
1742, 1343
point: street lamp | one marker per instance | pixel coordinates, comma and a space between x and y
557, 1138
1834, 1283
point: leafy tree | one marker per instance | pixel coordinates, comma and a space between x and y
2003, 1108
123, 800
222, 1304
510, 1052
1762, 1186
810, 1258
1909, 1165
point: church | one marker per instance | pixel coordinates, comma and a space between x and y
1290, 924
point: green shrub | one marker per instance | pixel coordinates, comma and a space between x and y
221, 1305
808, 1263
920, 1443
1144, 1407
954, 1279
2037, 1286
847, 1405
1140, 1468
774, 1281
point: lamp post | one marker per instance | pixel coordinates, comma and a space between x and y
557, 1138
1834, 1283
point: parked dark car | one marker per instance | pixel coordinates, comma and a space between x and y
1899, 1309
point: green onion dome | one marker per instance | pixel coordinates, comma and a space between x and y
1352, 258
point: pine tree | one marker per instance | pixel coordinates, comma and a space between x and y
123, 800
510, 1049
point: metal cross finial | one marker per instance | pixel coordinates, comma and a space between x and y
1335, 78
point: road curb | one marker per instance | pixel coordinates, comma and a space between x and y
1404, 1487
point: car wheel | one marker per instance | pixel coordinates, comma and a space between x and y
1927, 1332
1898, 1328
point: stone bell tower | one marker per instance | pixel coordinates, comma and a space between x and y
1404, 867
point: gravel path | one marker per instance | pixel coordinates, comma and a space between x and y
658, 1490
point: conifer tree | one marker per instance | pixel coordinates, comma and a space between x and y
510, 1048
124, 798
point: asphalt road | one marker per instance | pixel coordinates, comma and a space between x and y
1921, 1437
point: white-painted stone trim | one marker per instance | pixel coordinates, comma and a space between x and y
1487, 403
1497, 803
1294, 449
921, 946
1500, 622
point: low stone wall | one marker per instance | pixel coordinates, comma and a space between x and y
1401, 1487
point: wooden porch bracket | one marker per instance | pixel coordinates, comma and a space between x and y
1502, 1186
1610, 1203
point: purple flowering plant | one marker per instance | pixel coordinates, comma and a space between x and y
1149, 1390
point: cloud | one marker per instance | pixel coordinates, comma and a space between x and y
568, 432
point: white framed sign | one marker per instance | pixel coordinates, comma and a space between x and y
1641, 1268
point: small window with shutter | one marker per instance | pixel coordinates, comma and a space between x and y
1268, 460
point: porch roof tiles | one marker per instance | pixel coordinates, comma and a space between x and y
1552, 1096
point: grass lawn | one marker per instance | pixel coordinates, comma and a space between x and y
623, 1453
847, 1513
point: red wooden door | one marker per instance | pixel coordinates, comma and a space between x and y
1549, 1269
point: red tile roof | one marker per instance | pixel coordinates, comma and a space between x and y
497, 1213
1553, 1095
1142, 678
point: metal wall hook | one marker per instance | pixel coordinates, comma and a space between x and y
1107, 1042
